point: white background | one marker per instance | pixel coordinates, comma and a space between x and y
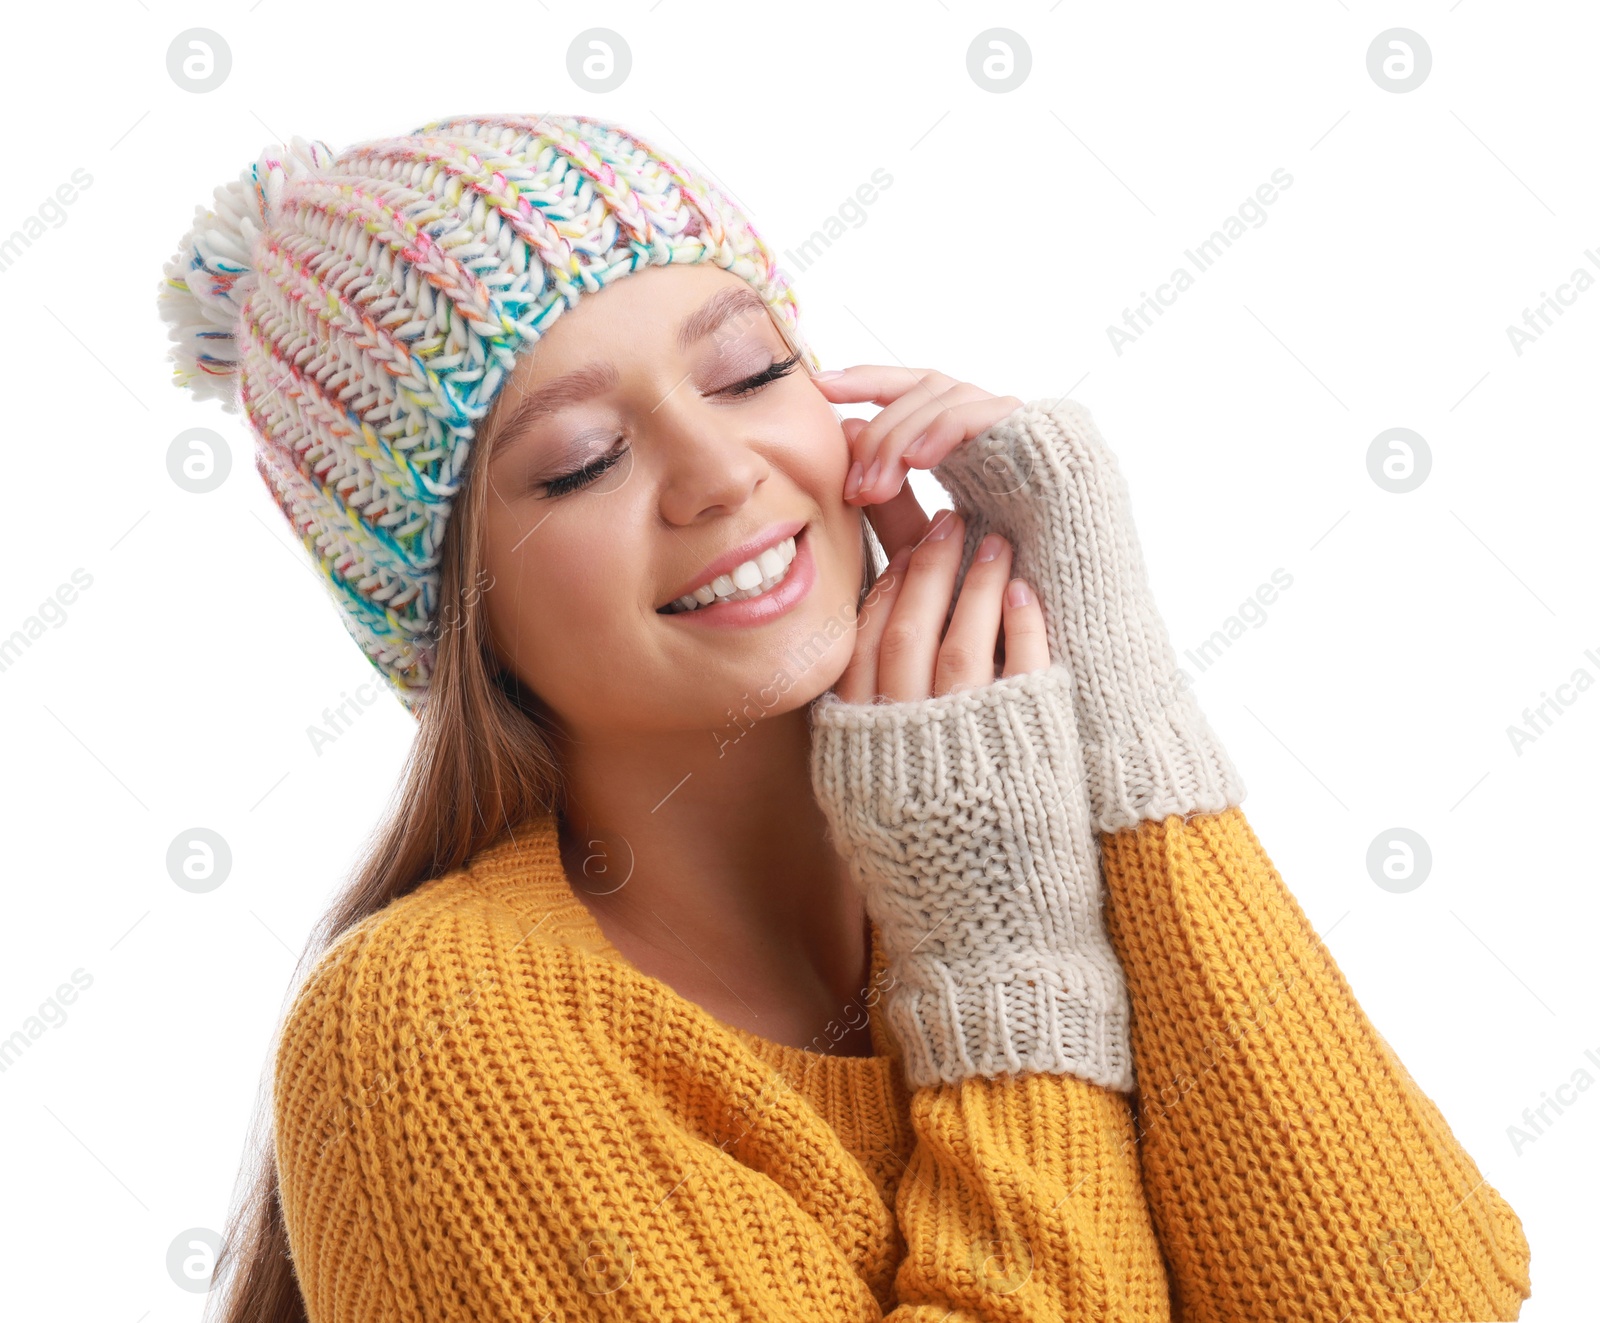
178, 691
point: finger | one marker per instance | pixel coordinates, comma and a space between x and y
865, 446
859, 683
900, 521
866, 383
877, 446
966, 656
910, 640
946, 430
852, 428
886, 458
1027, 649
961, 424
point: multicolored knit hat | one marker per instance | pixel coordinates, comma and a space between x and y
364, 309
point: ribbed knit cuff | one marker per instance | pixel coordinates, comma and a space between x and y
1045, 479
965, 821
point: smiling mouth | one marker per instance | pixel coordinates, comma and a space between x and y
752, 578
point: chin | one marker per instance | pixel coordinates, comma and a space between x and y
784, 688
802, 663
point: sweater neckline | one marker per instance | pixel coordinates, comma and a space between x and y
523, 870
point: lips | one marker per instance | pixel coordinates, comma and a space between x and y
739, 613
731, 559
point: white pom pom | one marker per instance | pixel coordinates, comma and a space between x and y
206, 282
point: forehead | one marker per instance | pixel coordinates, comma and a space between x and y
665, 310
655, 308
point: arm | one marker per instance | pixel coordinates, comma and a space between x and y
964, 819
1022, 1202
475, 1125
1293, 1168
1275, 1124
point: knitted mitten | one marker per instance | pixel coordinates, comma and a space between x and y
1044, 478
963, 819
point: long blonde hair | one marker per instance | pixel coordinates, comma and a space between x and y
482, 762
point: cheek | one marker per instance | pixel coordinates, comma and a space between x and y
817, 454
565, 595
820, 465
816, 457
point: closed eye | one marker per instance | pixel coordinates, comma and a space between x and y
595, 468
781, 368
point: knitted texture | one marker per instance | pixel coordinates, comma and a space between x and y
363, 308
1261, 1075
964, 821
485, 1114
1045, 479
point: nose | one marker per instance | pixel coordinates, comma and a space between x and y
708, 465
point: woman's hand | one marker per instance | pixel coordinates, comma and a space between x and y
996, 622
899, 650
925, 416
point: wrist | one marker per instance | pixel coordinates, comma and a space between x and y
1028, 1010
965, 821
1045, 478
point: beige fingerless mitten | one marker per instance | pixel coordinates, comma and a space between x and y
964, 820
1045, 479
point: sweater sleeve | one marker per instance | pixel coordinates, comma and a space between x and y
964, 820
1022, 1201
1294, 1169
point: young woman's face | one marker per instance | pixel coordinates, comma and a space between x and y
650, 435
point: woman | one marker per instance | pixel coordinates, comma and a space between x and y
763, 931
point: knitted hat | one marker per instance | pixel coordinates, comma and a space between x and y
364, 308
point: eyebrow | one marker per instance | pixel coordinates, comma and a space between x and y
576, 387
716, 310
572, 388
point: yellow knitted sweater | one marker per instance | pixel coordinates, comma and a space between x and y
484, 1112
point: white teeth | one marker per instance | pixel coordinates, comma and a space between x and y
750, 579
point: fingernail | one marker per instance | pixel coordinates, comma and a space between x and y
943, 526
832, 374
910, 451
989, 548
852, 481
1017, 593
872, 472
